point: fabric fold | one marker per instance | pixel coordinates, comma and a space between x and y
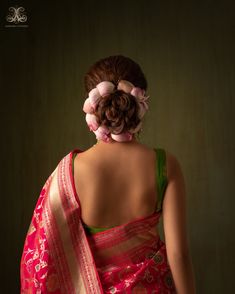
56, 255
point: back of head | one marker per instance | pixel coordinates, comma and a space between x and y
117, 112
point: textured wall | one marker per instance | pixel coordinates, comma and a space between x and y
186, 49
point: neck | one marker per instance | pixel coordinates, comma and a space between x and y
115, 143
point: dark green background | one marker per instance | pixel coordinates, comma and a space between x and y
186, 49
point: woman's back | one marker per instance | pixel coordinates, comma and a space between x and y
116, 183
120, 183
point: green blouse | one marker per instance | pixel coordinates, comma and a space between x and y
161, 179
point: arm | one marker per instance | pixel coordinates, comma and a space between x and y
174, 223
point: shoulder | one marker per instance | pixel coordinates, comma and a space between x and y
174, 210
173, 165
83, 161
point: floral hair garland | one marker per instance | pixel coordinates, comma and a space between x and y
103, 89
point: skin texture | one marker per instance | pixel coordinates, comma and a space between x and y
174, 222
116, 183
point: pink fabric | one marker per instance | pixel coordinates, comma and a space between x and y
58, 256
131, 258
38, 273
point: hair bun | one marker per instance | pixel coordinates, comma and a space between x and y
118, 112
118, 115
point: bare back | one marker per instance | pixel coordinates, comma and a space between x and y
116, 183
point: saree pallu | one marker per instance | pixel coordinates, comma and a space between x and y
131, 258
59, 257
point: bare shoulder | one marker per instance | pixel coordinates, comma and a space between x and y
173, 166
174, 210
81, 161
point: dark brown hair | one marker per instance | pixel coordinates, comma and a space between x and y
119, 110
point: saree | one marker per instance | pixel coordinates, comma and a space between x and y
59, 257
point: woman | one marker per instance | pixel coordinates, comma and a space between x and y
94, 228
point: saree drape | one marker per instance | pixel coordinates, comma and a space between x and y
59, 257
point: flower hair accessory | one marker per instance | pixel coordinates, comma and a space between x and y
103, 89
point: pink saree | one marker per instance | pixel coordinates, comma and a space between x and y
59, 257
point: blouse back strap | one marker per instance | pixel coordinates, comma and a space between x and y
161, 176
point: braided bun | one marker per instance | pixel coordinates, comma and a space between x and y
118, 112
116, 103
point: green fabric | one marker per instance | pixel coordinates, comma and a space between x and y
74, 155
94, 230
161, 179
161, 175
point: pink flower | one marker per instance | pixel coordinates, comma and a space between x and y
105, 88
94, 96
125, 86
87, 108
102, 133
92, 122
139, 94
122, 137
143, 108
